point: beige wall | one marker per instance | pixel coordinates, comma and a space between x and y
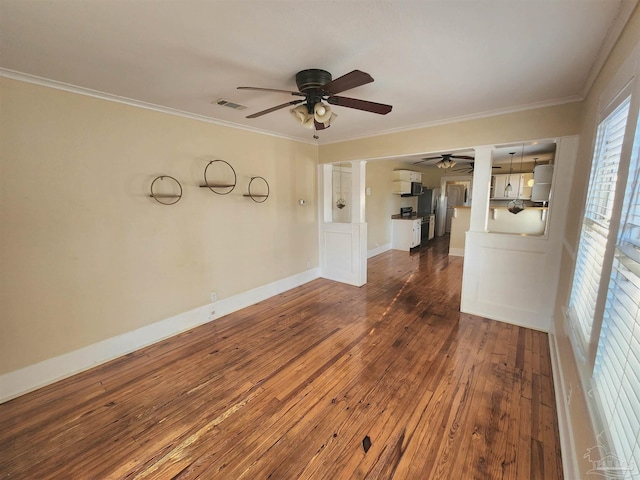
85, 254
540, 123
459, 226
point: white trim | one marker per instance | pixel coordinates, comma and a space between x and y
378, 250
32, 377
67, 87
567, 442
569, 249
456, 252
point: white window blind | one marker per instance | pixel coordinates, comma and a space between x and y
595, 224
617, 368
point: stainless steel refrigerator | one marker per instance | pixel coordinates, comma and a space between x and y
427, 207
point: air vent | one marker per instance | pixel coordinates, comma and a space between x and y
226, 103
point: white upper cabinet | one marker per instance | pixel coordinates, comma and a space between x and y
402, 180
407, 176
520, 186
542, 176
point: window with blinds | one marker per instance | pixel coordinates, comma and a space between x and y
616, 374
595, 224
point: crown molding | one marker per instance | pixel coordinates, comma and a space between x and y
67, 87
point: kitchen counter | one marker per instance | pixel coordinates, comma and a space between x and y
413, 216
502, 207
405, 235
530, 221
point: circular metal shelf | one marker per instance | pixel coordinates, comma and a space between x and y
256, 196
214, 186
168, 197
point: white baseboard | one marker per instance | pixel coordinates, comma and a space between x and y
456, 252
32, 377
567, 443
379, 250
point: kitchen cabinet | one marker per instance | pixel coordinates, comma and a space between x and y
402, 180
407, 176
542, 176
401, 187
519, 186
405, 233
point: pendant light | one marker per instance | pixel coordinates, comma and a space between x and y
340, 203
531, 180
517, 205
508, 188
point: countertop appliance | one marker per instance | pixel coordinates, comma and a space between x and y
406, 211
416, 190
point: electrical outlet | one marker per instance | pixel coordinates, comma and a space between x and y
308, 264
214, 297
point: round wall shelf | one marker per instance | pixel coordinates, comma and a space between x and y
167, 192
220, 188
258, 197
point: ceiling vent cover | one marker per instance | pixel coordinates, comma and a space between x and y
226, 103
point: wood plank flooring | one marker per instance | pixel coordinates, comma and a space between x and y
326, 381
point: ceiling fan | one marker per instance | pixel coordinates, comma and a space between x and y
316, 87
446, 160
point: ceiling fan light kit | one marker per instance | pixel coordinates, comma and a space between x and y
322, 113
446, 164
318, 87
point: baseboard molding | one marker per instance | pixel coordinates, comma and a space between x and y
456, 252
379, 250
567, 443
32, 377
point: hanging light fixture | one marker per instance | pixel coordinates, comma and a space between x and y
302, 116
531, 181
508, 188
340, 203
310, 115
517, 205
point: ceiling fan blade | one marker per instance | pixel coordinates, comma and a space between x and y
259, 89
365, 105
428, 161
273, 109
461, 157
320, 126
346, 82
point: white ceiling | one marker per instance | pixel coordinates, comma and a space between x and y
432, 60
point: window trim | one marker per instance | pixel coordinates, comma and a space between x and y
624, 83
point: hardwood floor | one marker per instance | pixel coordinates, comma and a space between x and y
326, 381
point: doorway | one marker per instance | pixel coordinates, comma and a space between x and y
455, 191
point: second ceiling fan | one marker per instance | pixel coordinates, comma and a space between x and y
316, 87
446, 160
449, 160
